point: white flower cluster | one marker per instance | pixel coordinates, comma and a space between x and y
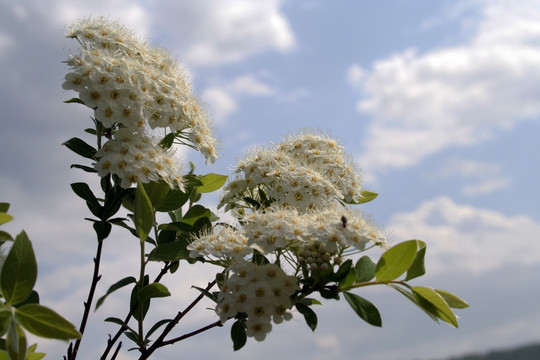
262, 292
134, 157
226, 243
133, 85
305, 171
333, 229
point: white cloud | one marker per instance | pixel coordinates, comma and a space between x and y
250, 85
355, 74
462, 238
454, 96
220, 101
203, 32
481, 177
210, 32
223, 98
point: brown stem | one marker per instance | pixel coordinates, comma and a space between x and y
160, 340
74, 349
198, 331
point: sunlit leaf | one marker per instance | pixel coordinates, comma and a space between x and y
439, 306
452, 300
44, 322
211, 182
4, 218
396, 260
417, 267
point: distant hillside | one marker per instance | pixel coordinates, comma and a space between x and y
527, 352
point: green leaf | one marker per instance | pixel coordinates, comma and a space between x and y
80, 147
396, 260
16, 341
452, 300
439, 307
153, 290
174, 200
5, 236
74, 101
167, 141
309, 315
157, 326
238, 335
4, 218
83, 191
117, 285
32, 355
19, 271
348, 281
5, 318
83, 167
211, 182
417, 268
411, 297
343, 271
207, 293
156, 191
195, 213
366, 196
33, 298
172, 251
102, 229
364, 269
365, 309
118, 321
4, 207
44, 322
143, 212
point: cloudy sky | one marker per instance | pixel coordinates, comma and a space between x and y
438, 101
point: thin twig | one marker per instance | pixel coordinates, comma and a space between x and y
112, 341
198, 331
72, 351
159, 341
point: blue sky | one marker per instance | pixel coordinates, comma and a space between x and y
438, 101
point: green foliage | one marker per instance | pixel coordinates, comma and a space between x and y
309, 315
170, 251
81, 148
211, 182
153, 290
143, 215
21, 310
44, 322
363, 308
396, 260
117, 285
364, 269
238, 334
19, 272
